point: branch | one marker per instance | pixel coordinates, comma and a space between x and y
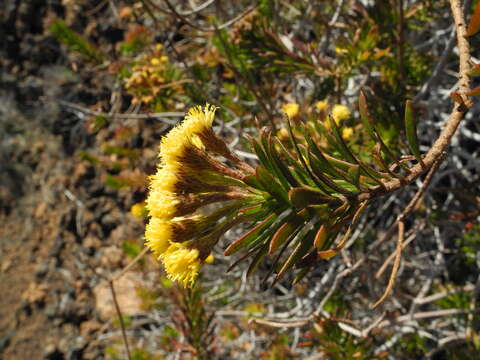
456, 116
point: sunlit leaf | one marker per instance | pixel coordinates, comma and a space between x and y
411, 131
474, 25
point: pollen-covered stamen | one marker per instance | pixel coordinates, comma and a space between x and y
182, 264
161, 204
157, 235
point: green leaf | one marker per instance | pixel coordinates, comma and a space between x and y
354, 175
475, 71
373, 133
257, 259
297, 171
301, 274
474, 25
305, 242
74, 42
327, 254
321, 237
473, 92
287, 230
300, 155
289, 179
270, 184
304, 196
365, 116
246, 239
411, 131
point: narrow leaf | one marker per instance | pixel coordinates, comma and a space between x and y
270, 184
473, 92
305, 196
287, 230
250, 235
302, 248
474, 25
411, 131
257, 259
320, 237
475, 71
327, 254
365, 116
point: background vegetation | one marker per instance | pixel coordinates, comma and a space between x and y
89, 89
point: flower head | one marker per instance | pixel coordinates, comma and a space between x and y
321, 105
157, 235
347, 133
290, 109
340, 112
188, 178
182, 264
138, 210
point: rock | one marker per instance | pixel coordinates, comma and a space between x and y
41, 269
112, 257
6, 265
126, 294
89, 327
41, 210
91, 244
52, 353
5, 340
35, 293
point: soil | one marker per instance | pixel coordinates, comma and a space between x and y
61, 227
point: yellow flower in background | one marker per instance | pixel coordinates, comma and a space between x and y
290, 109
182, 264
321, 105
210, 258
282, 134
347, 133
340, 112
138, 210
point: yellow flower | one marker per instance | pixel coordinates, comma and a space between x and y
138, 210
196, 121
340, 112
282, 134
182, 264
162, 204
155, 61
321, 105
347, 133
157, 236
290, 109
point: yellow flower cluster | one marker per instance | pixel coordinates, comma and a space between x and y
148, 77
182, 263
